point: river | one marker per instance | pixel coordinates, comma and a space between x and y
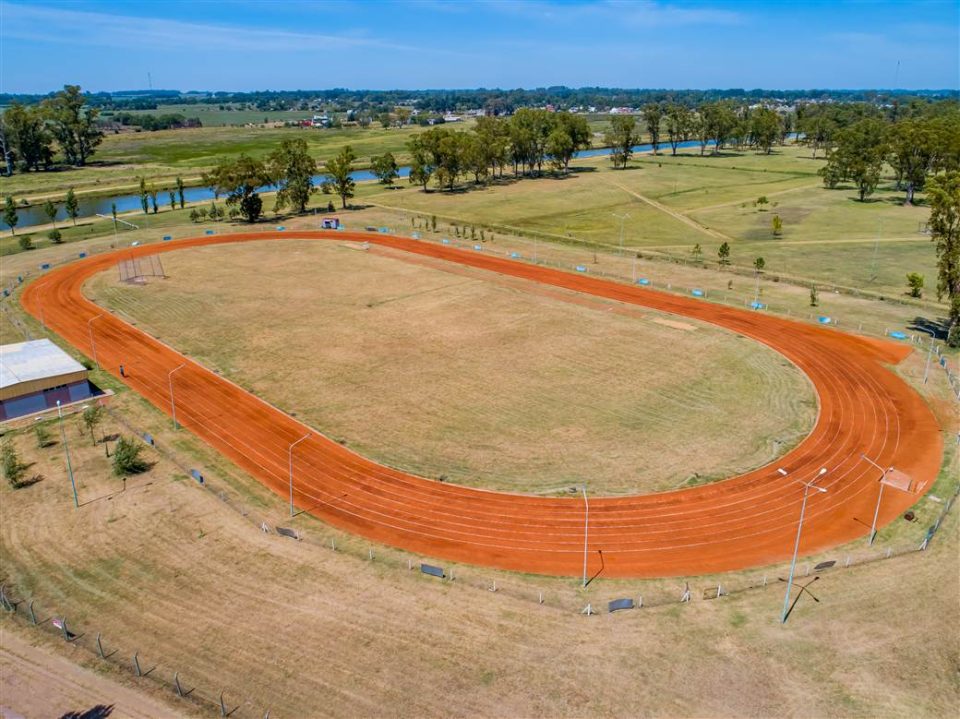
101, 204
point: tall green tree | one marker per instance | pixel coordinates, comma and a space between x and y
30, 142
92, 418
74, 124
678, 121
385, 168
765, 129
292, 169
723, 254
621, 137
452, 158
338, 172
720, 121
569, 135
532, 127
10, 214
173, 199
859, 155
6, 150
180, 191
475, 158
72, 206
239, 179
153, 199
144, 201
652, 116
493, 135
913, 148
943, 194
50, 210
421, 164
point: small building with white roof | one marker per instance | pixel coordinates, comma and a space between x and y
35, 375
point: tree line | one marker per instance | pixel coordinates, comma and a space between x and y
916, 146
152, 123
31, 135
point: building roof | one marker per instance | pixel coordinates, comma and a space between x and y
29, 361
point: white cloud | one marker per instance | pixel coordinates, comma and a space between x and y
45, 24
615, 14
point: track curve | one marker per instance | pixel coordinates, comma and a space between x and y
745, 521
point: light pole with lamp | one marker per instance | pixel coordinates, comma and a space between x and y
796, 548
66, 451
876, 512
173, 404
622, 217
290, 456
926, 369
93, 344
586, 531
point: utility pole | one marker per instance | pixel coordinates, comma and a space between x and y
66, 451
173, 404
586, 531
622, 217
290, 456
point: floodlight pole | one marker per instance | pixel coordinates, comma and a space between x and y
876, 512
926, 370
796, 548
173, 404
290, 456
66, 451
621, 218
93, 344
586, 531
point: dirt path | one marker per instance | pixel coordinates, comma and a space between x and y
35, 682
733, 203
746, 521
679, 216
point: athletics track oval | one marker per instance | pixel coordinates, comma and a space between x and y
745, 521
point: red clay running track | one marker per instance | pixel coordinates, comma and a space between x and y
745, 521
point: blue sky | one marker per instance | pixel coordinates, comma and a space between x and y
272, 44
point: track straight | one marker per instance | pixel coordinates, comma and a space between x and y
744, 521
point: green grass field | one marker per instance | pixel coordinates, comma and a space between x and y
161, 156
674, 203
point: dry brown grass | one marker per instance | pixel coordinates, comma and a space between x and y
166, 568
461, 374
